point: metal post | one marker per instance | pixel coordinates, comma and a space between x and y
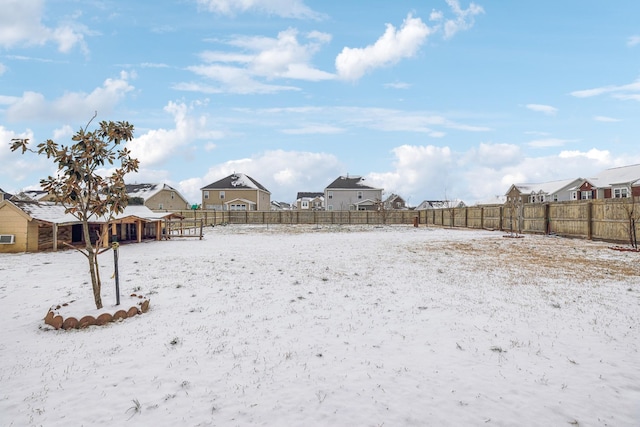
115, 246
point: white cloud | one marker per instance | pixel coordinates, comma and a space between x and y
397, 85
20, 24
415, 169
284, 173
75, 106
284, 8
633, 41
540, 108
17, 167
398, 120
603, 156
494, 155
314, 129
464, 18
483, 172
549, 142
3, 68
262, 58
65, 132
158, 145
606, 119
629, 91
390, 48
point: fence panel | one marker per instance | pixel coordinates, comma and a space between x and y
603, 219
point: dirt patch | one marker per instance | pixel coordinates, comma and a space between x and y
542, 256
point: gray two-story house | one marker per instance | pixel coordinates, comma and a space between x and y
350, 193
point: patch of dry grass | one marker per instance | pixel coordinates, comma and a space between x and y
542, 256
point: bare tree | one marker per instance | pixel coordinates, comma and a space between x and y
514, 207
382, 210
80, 188
632, 211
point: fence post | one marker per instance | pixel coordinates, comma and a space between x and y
589, 220
547, 219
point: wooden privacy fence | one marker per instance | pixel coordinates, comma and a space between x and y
187, 227
604, 219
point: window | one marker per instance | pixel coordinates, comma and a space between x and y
620, 192
585, 195
238, 207
173, 194
160, 206
206, 195
330, 207
7, 239
330, 194
532, 199
574, 195
359, 194
222, 195
555, 197
305, 204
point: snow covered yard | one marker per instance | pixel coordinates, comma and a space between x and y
331, 326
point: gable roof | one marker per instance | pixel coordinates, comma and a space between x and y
146, 191
4, 195
308, 195
350, 183
440, 204
620, 175
235, 181
393, 197
550, 187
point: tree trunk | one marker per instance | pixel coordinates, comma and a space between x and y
93, 267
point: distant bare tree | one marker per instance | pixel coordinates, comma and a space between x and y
514, 207
632, 211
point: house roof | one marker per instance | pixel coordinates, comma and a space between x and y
393, 197
550, 187
29, 195
350, 183
146, 191
236, 181
55, 214
440, 204
620, 175
308, 195
4, 196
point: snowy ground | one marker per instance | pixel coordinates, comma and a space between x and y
331, 326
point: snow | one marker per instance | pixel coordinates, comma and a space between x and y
330, 326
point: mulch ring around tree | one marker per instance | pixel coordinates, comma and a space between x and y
58, 316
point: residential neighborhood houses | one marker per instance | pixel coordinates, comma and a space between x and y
29, 222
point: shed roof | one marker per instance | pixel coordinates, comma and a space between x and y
55, 214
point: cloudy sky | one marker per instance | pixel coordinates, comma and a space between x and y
425, 98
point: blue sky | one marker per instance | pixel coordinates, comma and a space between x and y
425, 99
